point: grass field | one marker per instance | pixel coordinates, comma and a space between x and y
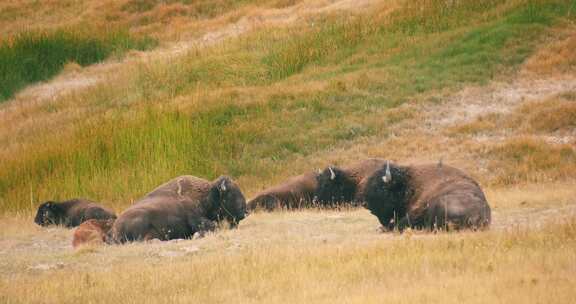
31, 57
489, 86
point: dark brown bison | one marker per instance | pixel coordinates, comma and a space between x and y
92, 232
296, 192
426, 197
71, 213
179, 208
345, 185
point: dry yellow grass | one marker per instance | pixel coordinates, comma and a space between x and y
557, 57
167, 19
310, 256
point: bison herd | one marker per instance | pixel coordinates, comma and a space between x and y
428, 197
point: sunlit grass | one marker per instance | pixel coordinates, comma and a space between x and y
280, 101
267, 97
31, 57
334, 258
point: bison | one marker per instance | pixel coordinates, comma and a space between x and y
426, 197
296, 192
179, 208
71, 213
92, 232
345, 185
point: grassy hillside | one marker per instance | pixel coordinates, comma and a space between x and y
249, 107
165, 19
31, 57
488, 86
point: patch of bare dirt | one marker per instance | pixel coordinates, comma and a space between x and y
497, 97
532, 217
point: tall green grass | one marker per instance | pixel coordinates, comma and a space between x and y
30, 57
272, 96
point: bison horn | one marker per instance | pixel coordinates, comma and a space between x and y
223, 185
332, 174
388, 177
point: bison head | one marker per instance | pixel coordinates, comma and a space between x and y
334, 186
227, 201
49, 213
386, 193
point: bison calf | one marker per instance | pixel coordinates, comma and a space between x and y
179, 208
345, 185
71, 213
296, 192
92, 232
426, 197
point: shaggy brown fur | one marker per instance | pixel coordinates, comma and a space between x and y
346, 184
92, 232
295, 192
179, 208
427, 196
71, 213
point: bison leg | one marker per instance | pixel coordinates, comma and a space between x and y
269, 203
385, 219
201, 225
131, 229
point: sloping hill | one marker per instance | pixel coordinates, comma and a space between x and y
263, 90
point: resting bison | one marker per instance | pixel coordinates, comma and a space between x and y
179, 208
345, 185
426, 197
296, 192
71, 213
92, 232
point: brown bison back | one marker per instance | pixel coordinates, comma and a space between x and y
433, 181
92, 232
185, 187
87, 209
361, 172
169, 205
292, 193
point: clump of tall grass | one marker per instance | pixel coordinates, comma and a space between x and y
30, 57
325, 40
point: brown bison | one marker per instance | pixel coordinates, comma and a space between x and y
92, 232
296, 192
71, 213
345, 185
179, 208
426, 197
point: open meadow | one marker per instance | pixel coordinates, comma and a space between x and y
137, 92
